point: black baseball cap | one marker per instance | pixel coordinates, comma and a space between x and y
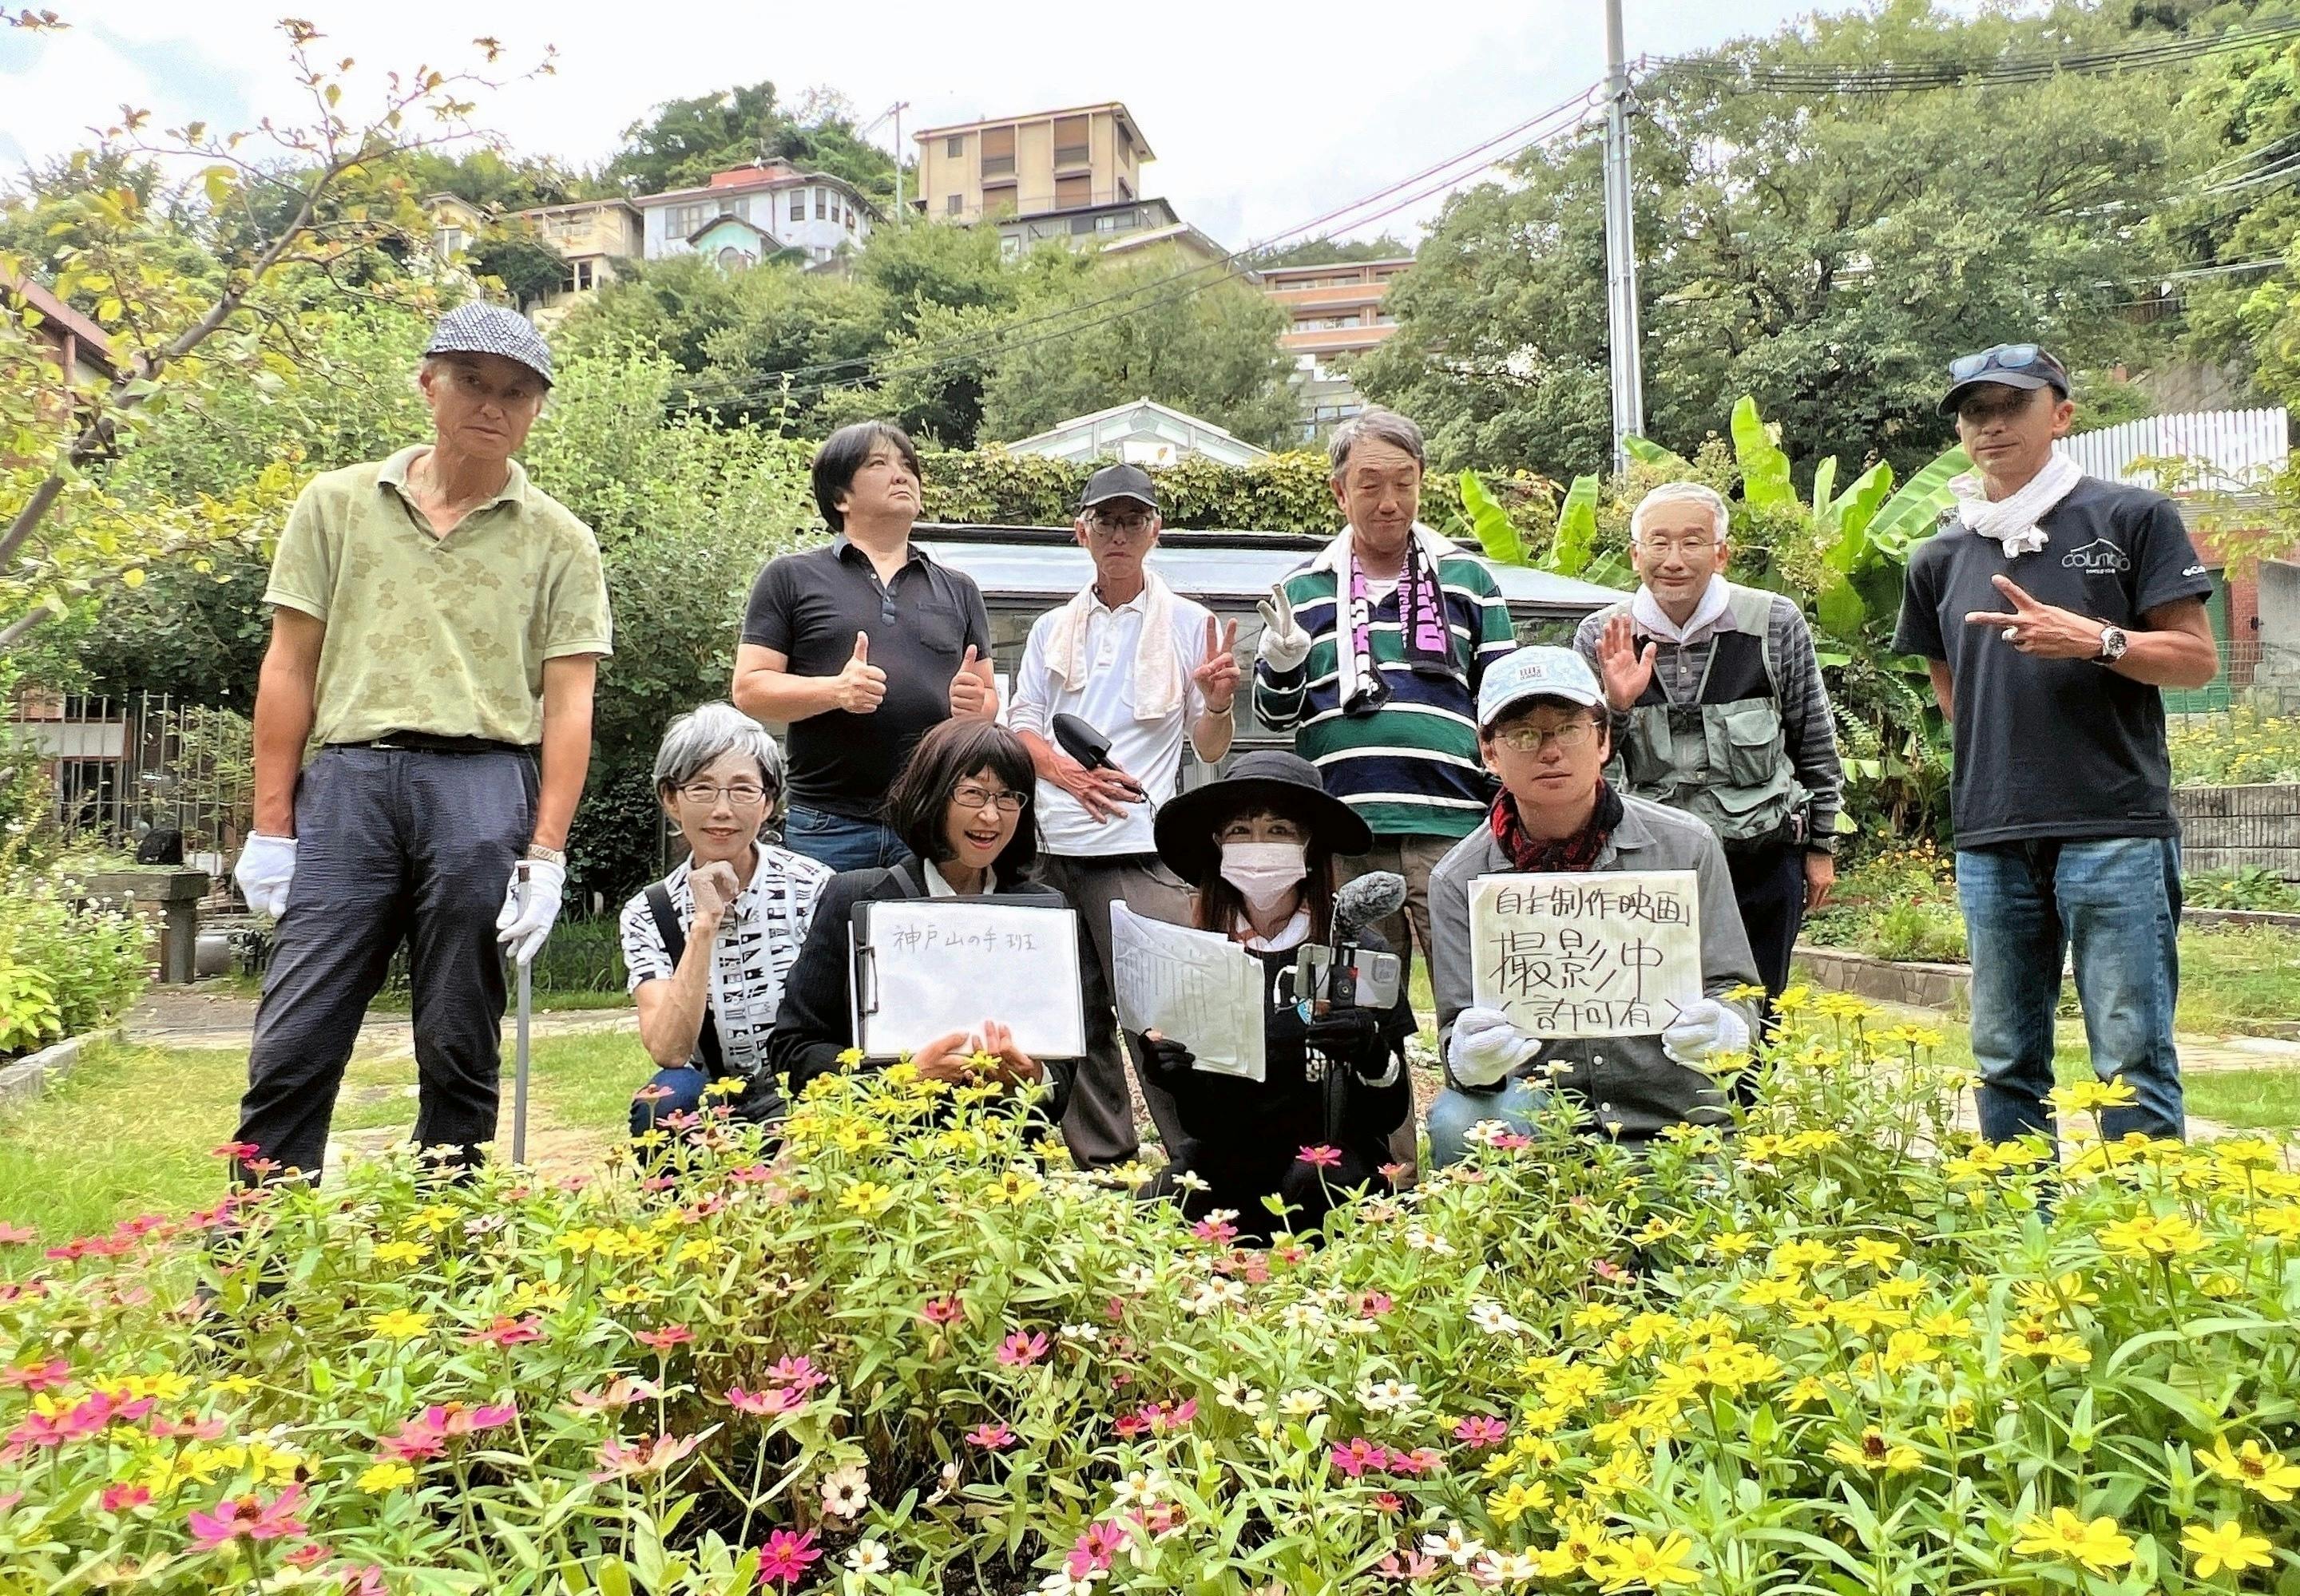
1118, 482
2012, 365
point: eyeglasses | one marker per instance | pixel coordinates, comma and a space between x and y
1528, 739
739, 793
2004, 357
1121, 526
1664, 546
1008, 802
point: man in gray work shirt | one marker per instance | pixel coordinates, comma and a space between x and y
1723, 715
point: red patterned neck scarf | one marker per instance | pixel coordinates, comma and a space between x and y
1578, 852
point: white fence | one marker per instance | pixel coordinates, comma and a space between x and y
2228, 451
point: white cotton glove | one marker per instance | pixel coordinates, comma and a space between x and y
521, 927
1485, 1046
267, 864
1702, 1030
1284, 643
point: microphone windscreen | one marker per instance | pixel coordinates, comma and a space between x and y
1375, 895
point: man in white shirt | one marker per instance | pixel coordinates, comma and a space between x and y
1143, 665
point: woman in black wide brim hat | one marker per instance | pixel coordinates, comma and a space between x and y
1260, 846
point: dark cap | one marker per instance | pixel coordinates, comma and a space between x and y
1259, 778
2010, 365
1118, 482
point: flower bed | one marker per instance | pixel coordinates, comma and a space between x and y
917, 1356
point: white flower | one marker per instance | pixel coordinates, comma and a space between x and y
1236, 1395
1485, 1132
1302, 1403
1190, 1181
1455, 1545
1144, 1488
870, 1557
846, 1490
1085, 1332
1303, 1315
1138, 1277
1388, 1396
949, 1482
1423, 1241
1505, 1568
1220, 1215
1354, 1325
1061, 1582
1494, 1319
1215, 1294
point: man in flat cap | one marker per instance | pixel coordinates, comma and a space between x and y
438, 622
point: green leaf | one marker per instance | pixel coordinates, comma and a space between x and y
1764, 468
1856, 513
1839, 608
1825, 507
1909, 515
1497, 532
1576, 539
1645, 451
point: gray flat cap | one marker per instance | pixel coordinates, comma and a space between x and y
482, 328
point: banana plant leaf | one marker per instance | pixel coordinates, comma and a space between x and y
1647, 453
1855, 514
1576, 542
1764, 468
1497, 532
1825, 508
1909, 515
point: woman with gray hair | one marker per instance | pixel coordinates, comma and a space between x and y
708, 946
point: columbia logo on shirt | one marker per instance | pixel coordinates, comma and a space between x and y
2097, 557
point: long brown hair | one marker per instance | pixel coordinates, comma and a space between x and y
1219, 906
918, 805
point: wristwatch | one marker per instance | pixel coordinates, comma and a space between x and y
2112, 645
543, 855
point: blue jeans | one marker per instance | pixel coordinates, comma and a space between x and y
839, 842
1452, 1111
2115, 902
686, 1084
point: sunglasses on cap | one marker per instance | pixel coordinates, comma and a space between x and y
2006, 357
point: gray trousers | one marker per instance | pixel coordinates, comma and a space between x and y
392, 846
1098, 1127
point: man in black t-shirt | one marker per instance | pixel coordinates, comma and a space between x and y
2052, 608
859, 647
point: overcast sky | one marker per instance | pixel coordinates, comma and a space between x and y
1263, 116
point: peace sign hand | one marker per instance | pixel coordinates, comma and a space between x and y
1217, 679
2044, 631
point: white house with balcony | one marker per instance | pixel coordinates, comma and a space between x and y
781, 208
1144, 432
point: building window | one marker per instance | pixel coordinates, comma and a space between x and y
579, 276
1125, 193
1081, 224
731, 258
1010, 245
1107, 223
954, 145
821, 204
850, 218
798, 205
1071, 192
956, 204
451, 242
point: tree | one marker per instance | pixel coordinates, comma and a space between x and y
682, 142
1322, 252
1825, 252
175, 335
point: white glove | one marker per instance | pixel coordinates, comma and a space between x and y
1702, 1030
267, 864
1485, 1046
1284, 643
521, 927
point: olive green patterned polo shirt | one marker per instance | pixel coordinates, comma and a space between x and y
440, 635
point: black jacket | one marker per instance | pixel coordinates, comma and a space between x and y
815, 1022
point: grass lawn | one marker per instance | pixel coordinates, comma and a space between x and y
2233, 979
132, 1129
2247, 1099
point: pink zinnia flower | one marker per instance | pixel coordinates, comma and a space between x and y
506, 1331
1358, 1457
786, 1556
990, 1437
1387, 1502
770, 1403
617, 1460
1413, 1565
37, 1377
1018, 1350
622, 1392
237, 1150
1321, 1157
1094, 1550
1421, 1460
1482, 1430
1511, 1141
365, 1581
666, 1338
13, 1235
1221, 1232
1372, 1305
943, 1311
799, 1372
120, 1499
249, 1518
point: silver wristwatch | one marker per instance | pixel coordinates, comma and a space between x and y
2112, 645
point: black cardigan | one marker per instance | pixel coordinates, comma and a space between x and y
815, 1022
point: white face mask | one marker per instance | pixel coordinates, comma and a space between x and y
1265, 872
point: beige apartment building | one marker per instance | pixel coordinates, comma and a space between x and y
1074, 160
593, 235
1336, 309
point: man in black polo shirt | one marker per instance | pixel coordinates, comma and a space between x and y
860, 646
2052, 607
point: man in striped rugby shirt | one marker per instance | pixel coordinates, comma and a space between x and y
1371, 654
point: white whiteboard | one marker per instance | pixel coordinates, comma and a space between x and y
1198, 987
927, 967
1607, 953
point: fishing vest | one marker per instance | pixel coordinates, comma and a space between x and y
1723, 758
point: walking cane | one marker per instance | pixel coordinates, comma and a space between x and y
519, 1066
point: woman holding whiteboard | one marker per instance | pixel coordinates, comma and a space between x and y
1260, 846
961, 805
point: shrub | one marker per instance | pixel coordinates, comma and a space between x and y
2256, 887
2245, 746
91, 955
1895, 903
1843, 1350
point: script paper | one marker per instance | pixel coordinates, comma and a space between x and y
1198, 987
927, 967
1612, 953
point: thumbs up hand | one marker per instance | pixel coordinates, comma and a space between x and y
970, 692
861, 685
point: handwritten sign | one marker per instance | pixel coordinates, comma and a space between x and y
927, 967
1198, 987
1612, 953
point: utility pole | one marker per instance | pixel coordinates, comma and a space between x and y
900, 106
1620, 248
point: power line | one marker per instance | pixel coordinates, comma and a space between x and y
993, 341
1897, 76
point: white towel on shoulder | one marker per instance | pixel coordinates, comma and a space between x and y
1158, 678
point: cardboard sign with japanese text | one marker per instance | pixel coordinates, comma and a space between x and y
1611, 953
